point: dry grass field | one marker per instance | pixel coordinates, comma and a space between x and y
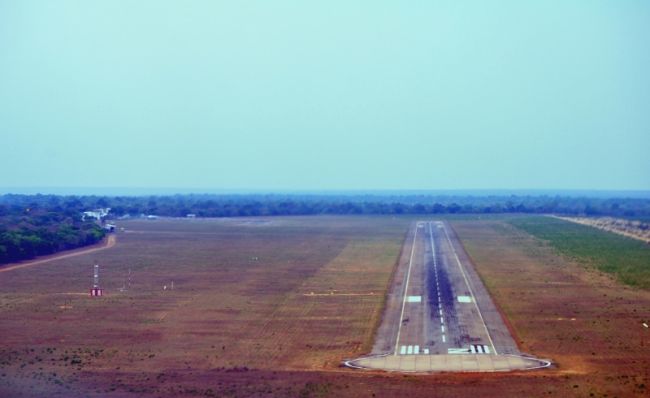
274, 294
269, 307
588, 323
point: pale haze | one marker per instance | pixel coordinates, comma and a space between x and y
276, 95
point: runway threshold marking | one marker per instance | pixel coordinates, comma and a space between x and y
471, 292
479, 349
406, 286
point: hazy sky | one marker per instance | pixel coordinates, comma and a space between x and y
341, 95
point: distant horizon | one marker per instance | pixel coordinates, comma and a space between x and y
169, 191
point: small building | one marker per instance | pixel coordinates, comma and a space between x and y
109, 227
97, 214
191, 215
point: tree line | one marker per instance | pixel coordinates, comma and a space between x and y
27, 232
32, 225
209, 205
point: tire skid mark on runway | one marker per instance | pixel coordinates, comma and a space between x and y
435, 271
444, 294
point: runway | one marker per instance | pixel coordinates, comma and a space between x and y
439, 316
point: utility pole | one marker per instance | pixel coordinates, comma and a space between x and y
96, 291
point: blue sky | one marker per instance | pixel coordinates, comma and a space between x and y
336, 95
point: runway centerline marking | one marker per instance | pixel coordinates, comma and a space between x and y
471, 292
435, 269
406, 286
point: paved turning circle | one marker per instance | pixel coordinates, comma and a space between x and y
439, 316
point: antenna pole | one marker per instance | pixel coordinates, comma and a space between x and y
96, 291
96, 277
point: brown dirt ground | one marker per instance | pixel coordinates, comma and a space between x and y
235, 325
586, 322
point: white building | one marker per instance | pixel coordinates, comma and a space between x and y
97, 214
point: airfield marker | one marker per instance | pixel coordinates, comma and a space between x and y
96, 291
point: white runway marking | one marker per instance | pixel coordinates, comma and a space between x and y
462, 271
406, 286
479, 349
435, 269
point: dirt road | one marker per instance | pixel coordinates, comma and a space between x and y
106, 244
628, 228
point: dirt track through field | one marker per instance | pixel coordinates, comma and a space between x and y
107, 244
631, 229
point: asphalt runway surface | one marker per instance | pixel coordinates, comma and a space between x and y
439, 315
